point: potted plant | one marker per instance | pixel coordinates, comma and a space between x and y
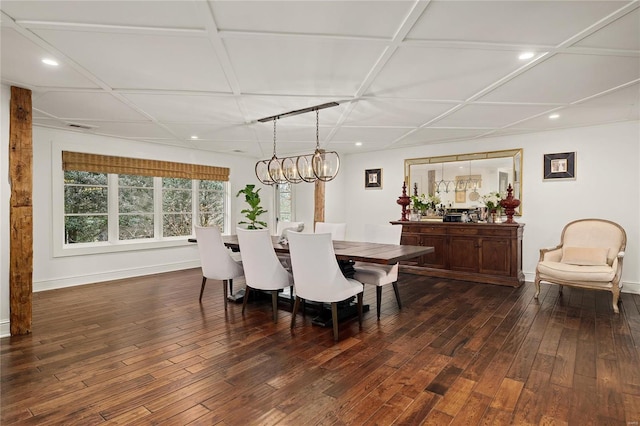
492, 202
252, 198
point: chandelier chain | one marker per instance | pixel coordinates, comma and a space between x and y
317, 129
274, 136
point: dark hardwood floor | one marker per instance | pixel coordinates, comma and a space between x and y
144, 351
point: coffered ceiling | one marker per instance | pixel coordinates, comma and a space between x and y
404, 73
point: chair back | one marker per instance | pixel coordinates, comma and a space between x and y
338, 231
262, 269
216, 261
294, 226
595, 233
383, 234
315, 268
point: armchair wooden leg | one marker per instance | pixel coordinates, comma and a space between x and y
274, 303
204, 281
224, 290
537, 283
246, 297
296, 305
378, 299
616, 296
334, 318
397, 292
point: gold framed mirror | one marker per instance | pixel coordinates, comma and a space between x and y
462, 180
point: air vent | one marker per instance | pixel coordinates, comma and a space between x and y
80, 126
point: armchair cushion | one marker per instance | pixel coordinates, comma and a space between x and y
577, 273
585, 256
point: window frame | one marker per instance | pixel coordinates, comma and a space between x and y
277, 194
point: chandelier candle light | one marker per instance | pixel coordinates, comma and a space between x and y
321, 165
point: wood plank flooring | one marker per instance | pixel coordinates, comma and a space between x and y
144, 351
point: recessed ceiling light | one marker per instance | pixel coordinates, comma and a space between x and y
358, 143
194, 137
525, 55
554, 116
50, 62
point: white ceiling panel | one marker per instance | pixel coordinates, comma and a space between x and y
86, 106
187, 108
342, 18
438, 73
301, 66
22, 64
621, 34
214, 131
368, 135
481, 115
404, 73
568, 78
394, 112
428, 135
175, 14
139, 61
522, 22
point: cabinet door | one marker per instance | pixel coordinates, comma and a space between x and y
495, 257
437, 258
464, 254
411, 240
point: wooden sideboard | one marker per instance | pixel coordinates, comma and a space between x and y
480, 252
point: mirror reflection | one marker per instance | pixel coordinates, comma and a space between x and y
461, 181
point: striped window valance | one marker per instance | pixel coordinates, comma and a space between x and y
136, 166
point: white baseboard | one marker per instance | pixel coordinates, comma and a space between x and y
112, 275
627, 286
5, 329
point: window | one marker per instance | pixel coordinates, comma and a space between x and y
284, 203
85, 207
116, 203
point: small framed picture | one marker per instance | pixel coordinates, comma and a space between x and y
373, 178
560, 166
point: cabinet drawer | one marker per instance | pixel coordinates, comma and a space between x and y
497, 232
430, 229
463, 231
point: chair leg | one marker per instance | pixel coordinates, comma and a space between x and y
397, 292
224, 290
334, 319
246, 297
360, 296
296, 305
230, 285
274, 302
537, 283
616, 295
204, 281
378, 299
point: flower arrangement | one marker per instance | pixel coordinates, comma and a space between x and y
492, 200
423, 202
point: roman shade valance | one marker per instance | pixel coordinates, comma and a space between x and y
142, 167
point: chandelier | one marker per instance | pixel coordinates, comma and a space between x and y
320, 165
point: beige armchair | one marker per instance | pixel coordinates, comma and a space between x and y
589, 255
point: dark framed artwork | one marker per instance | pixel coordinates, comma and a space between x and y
560, 166
373, 178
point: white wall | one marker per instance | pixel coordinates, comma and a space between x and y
54, 272
607, 186
5, 194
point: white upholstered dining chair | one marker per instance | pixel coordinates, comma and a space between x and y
338, 231
216, 260
377, 274
262, 269
318, 277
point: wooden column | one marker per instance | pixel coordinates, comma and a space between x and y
318, 202
20, 211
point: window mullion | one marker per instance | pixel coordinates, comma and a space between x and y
158, 215
113, 207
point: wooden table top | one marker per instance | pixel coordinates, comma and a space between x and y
387, 254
